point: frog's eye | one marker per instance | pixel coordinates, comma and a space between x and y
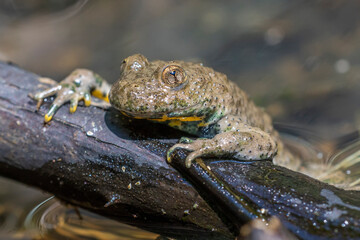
173, 76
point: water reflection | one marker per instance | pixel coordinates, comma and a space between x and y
324, 159
52, 220
298, 59
26, 213
345, 167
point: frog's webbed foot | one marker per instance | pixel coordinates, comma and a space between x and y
76, 87
64, 94
191, 145
245, 145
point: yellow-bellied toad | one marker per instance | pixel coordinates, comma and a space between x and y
183, 95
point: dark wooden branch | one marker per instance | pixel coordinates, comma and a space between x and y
308, 208
99, 160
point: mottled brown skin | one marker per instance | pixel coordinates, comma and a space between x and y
194, 99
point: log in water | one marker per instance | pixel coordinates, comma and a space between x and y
102, 161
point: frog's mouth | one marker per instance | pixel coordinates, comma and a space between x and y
162, 117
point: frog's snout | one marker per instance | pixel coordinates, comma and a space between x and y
128, 97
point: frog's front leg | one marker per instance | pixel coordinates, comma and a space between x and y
79, 85
245, 143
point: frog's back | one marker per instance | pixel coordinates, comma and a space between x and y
235, 102
245, 108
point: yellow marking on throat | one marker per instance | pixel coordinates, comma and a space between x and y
203, 124
123, 113
176, 121
181, 119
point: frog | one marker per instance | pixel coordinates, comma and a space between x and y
186, 96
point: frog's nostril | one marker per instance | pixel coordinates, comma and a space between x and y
136, 87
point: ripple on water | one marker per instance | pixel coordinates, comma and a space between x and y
341, 169
52, 220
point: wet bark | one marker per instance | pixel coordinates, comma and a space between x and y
98, 160
102, 161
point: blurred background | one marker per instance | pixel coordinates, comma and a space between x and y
298, 59
294, 58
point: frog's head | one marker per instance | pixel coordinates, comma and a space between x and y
159, 89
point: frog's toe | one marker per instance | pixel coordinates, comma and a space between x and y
39, 97
199, 147
190, 158
49, 115
197, 152
177, 146
76, 97
74, 103
87, 98
48, 92
63, 96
